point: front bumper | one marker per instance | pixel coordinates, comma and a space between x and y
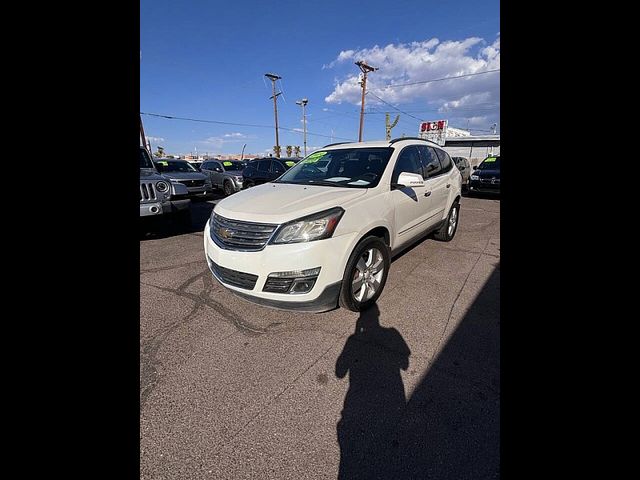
330, 255
484, 187
154, 209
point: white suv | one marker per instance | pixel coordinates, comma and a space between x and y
316, 238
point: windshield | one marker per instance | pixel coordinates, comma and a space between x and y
344, 167
174, 166
232, 166
491, 163
145, 161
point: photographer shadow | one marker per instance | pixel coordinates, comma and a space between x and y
375, 402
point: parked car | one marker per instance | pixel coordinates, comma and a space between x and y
265, 170
316, 238
224, 174
465, 170
181, 171
159, 197
486, 176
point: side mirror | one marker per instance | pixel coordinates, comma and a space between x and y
475, 167
406, 179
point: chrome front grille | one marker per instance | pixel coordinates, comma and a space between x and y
147, 192
239, 235
192, 183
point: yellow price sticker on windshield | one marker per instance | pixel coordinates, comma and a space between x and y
491, 159
290, 163
314, 157
227, 164
164, 164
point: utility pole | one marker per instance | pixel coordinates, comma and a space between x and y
142, 136
388, 126
273, 77
242, 155
303, 103
365, 69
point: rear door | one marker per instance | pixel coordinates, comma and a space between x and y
436, 181
411, 204
263, 171
217, 176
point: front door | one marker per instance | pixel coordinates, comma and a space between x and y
410, 203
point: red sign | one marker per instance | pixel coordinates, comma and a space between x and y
433, 126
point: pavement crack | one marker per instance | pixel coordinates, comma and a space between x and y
455, 301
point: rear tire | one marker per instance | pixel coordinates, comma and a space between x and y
365, 274
450, 227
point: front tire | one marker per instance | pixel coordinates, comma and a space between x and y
448, 230
228, 188
365, 274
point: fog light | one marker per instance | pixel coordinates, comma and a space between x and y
302, 285
291, 282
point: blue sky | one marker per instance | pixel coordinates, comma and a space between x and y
206, 60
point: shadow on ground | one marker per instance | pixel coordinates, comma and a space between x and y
449, 428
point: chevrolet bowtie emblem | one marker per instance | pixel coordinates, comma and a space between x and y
224, 233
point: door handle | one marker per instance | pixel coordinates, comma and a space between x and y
448, 185
427, 194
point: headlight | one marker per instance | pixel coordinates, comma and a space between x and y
307, 229
475, 177
162, 186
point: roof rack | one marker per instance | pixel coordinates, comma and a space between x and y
391, 142
339, 143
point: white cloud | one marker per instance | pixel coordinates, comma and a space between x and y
220, 140
235, 135
155, 139
463, 98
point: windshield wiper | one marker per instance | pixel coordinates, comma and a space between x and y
326, 183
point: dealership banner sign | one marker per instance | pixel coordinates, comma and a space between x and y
435, 131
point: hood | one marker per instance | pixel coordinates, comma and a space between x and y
149, 174
185, 175
282, 202
487, 173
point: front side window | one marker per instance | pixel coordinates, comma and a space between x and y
408, 161
430, 162
340, 167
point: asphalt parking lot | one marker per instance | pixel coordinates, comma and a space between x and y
408, 389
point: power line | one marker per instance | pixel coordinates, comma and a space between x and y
387, 103
171, 117
439, 79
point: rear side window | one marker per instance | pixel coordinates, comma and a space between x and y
206, 165
263, 165
445, 160
408, 161
430, 162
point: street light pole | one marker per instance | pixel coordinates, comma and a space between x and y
303, 103
364, 68
273, 77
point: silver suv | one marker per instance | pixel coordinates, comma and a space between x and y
224, 174
159, 196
